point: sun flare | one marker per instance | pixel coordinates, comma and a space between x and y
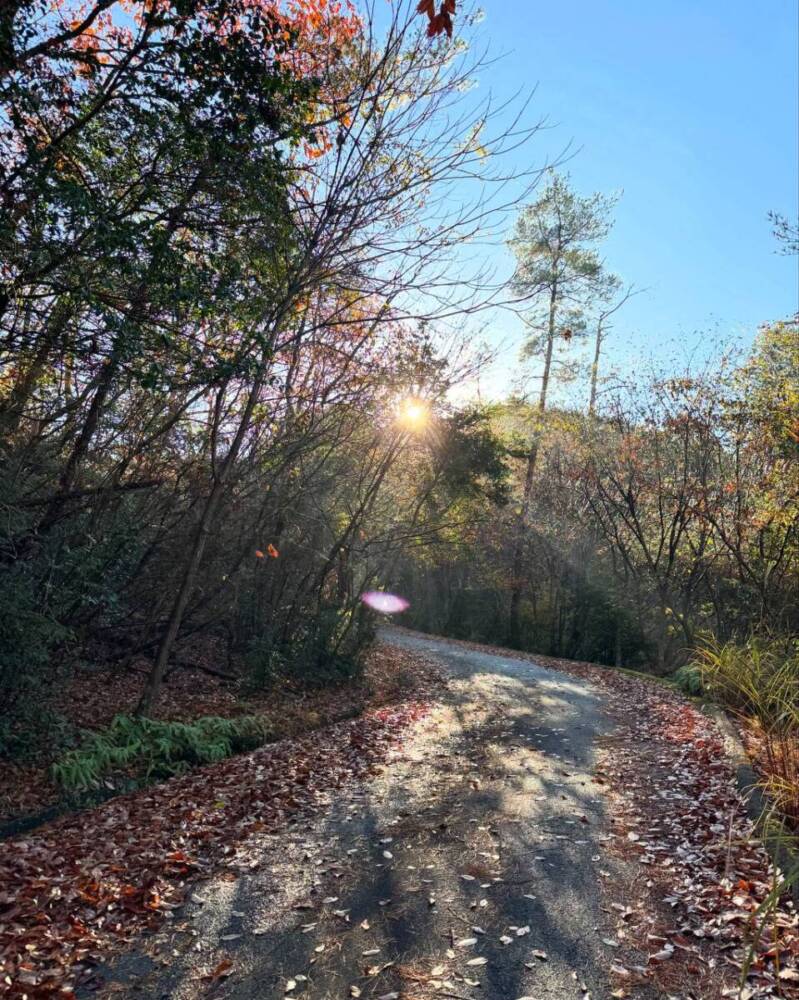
413, 413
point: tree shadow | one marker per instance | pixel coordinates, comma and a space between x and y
508, 850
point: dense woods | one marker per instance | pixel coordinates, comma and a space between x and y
227, 229
670, 513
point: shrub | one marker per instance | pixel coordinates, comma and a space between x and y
689, 679
331, 647
32, 729
759, 680
54, 589
148, 748
264, 664
28, 635
327, 649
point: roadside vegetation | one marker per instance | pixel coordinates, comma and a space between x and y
222, 340
671, 514
758, 682
148, 748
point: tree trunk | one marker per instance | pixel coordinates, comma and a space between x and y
153, 686
517, 563
81, 446
595, 370
553, 312
110, 367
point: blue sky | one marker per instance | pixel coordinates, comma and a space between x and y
690, 107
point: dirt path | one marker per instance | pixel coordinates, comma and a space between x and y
471, 866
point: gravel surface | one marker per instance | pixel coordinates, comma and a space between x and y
471, 866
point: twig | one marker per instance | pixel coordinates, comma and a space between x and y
457, 916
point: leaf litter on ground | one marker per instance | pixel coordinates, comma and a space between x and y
85, 883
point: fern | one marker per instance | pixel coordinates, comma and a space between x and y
689, 680
148, 748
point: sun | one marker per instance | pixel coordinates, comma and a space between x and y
413, 413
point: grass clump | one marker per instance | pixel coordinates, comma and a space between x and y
144, 749
759, 681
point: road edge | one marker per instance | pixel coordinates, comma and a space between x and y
759, 806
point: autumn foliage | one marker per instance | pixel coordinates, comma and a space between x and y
237, 285
439, 16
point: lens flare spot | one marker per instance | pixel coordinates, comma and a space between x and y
386, 604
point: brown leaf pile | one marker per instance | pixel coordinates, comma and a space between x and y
685, 822
86, 882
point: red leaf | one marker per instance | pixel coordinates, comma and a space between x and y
225, 968
437, 23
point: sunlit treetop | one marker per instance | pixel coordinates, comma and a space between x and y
254, 71
69, 50
97, 33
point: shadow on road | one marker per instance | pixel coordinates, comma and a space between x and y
481, 843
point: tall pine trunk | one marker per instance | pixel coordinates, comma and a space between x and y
595, 370
517, 565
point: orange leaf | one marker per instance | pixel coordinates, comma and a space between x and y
224, 968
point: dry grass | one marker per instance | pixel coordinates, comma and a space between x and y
776, 759
759, 682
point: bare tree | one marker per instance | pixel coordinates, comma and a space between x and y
378, 238
609, 303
